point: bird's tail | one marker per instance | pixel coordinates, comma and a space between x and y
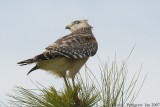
25, 62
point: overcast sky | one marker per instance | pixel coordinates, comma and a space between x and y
28, 26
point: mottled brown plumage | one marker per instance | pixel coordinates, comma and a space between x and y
68, 53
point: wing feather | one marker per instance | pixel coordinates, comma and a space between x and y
71, 46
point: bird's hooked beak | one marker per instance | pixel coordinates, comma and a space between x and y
68, 26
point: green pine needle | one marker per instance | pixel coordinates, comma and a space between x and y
89, 91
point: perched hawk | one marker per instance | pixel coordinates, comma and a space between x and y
68, 53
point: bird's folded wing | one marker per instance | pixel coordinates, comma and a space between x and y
71, 46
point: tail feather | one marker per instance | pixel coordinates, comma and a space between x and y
25, 62
34, 68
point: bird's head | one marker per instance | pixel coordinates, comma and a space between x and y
78, 24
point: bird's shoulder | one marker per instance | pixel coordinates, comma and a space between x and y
70, 39
71, 46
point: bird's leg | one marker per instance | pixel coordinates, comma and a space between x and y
77, 98
65, 81
73, 82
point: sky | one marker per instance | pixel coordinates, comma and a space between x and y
27, 27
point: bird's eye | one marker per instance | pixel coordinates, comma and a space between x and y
76, 22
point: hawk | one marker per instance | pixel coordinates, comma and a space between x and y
69, 53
